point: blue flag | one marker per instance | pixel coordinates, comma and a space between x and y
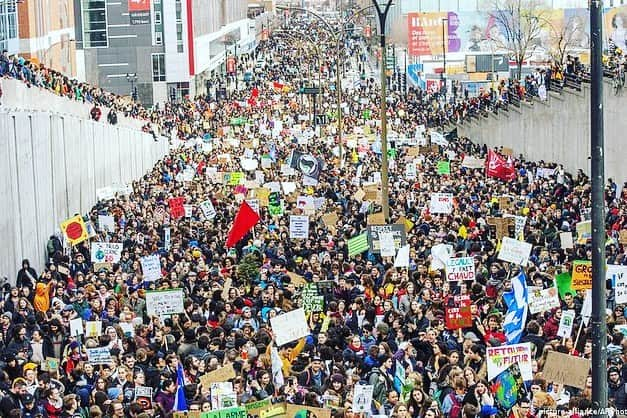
180, 403
516, 301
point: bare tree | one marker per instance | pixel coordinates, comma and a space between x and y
566, 36
520, 23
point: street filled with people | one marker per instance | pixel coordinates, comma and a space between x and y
255, 272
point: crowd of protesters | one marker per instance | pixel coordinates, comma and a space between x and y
376, 318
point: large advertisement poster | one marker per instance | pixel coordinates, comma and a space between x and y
139, 12
616, 27
481, 32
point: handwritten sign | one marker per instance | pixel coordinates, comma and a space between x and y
290, 326
458, 314
207, 209
617, 274
441, 203
461, 268
566, 324
374, 236
542, 300
151, 267
565, 369
99, 355
502, 226
362, 398
500, 358
582, 275
222, 374
235, 412
164, 302
299, 227
514, 251
106, 252
265, 408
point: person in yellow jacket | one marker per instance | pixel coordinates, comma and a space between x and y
288, 354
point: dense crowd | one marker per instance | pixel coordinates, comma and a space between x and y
377, 324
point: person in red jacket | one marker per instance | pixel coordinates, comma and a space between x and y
552, 325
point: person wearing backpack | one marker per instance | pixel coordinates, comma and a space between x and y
453, 402
382, 380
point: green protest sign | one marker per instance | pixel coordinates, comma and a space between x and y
444, 167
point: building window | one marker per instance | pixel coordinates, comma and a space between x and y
157, 17
158, 38
94, 14
158, 67
8, 23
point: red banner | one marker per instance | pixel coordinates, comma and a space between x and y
457, 312
176, 207
499, 167
138, 5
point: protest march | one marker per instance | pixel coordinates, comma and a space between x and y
252, 271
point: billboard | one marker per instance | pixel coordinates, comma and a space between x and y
139, 12
616, 26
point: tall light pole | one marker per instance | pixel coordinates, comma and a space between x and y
385, 199
442, 75
598, 317
132, 78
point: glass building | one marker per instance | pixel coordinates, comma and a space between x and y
8, 26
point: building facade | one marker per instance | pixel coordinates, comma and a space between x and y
158, 49
46, 34
8, 26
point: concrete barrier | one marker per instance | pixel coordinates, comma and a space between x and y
559, 131
16, 95
50, 168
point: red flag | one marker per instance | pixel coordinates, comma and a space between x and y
254, 93
497, 166
245, 219
278, 86
176, 207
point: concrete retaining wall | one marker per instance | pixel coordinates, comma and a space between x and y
559, 131
50, 168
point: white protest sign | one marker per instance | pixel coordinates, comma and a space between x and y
441, 203
410, 171
106, 223
207, 209
519, 225
289, 187
106, 252
188, 210
514, 251
143, 392
618, 276
542, 300
164, 302
76, 327
289, 327
566, 324
586, 308
386, 240
362, 398
566, 240
473, 162
402, 257
254, 204
249, 164
439, 256
151, 267
500, 358
99, 355
460, 268
299, 227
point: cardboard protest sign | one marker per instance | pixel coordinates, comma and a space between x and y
457, 312
164, 302
473, 162
542, 300
566, 324
330, 220
151, 268
374, 236
99, 266
375, 219
372, 194
299, 227
290, 326
106, 252
306, 411
514, 251
500, 358
74, 230
222, 374
297, 279
506, 203
441, 203
622, 236
507, 151
566, 240
504, 227
461, 268
566, 369
99, 355
582, 275
362, 398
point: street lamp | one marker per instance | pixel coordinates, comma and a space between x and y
385, 204
132, 78
442, 74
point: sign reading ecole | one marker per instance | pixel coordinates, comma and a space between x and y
461, 268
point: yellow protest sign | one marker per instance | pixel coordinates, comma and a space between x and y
582, 275
75, 230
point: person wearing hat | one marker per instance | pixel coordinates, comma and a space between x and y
30, 408
314, 376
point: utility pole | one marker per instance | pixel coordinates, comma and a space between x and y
598, 317
442, 75
385, 204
